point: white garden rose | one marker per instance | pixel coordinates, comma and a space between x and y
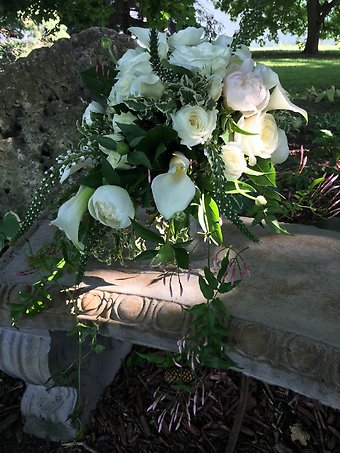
147, 85
205, 58
244, 91
134, 62
112, 206
233, 158
194, 125
143, 37
93, 107
264, 143
190, 36
120, 90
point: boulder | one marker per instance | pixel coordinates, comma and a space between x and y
42, 96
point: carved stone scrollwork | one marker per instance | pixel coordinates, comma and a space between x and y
288, 352
140, 312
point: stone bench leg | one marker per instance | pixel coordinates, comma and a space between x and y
40, 358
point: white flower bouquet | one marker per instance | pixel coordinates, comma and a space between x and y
182, 127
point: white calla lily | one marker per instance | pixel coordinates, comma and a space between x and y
281, 152
279, 101
70, 214
174, 190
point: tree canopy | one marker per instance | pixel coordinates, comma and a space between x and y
260, 19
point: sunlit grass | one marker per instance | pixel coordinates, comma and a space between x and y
300, 73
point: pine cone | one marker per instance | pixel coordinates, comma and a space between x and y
175, 375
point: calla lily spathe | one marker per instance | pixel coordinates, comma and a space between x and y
280, 101
174, 190
70, 214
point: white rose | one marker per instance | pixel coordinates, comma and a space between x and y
264, 143
190, 36
143, 37
233, 158
134, 62
205, 58
120, 90
93, 107
194, 125
111, 206
147, 85
247, 89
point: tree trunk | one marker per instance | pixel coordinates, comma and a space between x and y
314, 23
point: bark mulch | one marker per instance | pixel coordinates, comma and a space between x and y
239, 414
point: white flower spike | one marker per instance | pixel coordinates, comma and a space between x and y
174, 190
70, 214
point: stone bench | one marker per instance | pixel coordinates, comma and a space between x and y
284, 327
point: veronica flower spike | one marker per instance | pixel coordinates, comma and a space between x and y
174, 190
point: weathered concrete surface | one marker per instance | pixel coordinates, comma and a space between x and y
285, 316
41, 97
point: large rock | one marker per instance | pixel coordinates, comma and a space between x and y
41, 98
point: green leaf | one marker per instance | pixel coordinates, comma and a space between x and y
94, 179
210, 277
99, 80
315, 182
268, 177
160, 360
146, 234
111, 175
146, 255
215, 362
182, 258
10, 224
157, 138
219, 307
133, 133
209, 218
139, 158
206, 290
236, 128
107, 142
198, 309
223, 266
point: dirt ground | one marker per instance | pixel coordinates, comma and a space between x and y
274, 419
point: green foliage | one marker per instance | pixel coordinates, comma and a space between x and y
78, 14
51, 263
9, 227
263, 19
99, 80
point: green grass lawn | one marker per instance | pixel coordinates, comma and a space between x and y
298, 73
